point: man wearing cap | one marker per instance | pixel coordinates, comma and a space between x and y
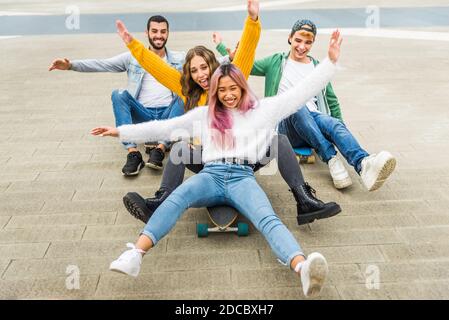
319, 123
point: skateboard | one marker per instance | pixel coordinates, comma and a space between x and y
304, 155
222, 217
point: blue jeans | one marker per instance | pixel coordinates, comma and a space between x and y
127, 110
225, 184
321, 132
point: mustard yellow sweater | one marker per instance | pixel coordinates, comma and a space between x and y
171, 78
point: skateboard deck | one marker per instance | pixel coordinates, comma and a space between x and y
304, 155
222, 217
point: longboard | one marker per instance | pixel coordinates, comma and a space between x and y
222, 217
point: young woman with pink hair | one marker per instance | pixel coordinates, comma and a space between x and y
236, 130
192, 85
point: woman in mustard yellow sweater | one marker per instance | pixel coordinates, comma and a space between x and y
193, 86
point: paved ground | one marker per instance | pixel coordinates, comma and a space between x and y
61, 189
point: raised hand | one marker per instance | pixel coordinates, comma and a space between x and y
105, 132
216, 37
60, 64
232, 53
123, 32
334, 46
253, 9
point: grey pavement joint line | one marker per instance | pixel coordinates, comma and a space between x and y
116, 218
36, 177
97, 284
84, 231
9, 220
46, 250
6, 269
42, 206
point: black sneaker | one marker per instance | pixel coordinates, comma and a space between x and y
309, 208
141, 208
156, 158
134, 163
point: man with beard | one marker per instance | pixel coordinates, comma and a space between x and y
145, 98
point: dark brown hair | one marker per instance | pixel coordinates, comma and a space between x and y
190, 89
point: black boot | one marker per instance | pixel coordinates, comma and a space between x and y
141, 208
159, 197
309, 208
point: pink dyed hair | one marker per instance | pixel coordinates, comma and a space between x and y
220, 118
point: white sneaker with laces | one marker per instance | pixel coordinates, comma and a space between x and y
376, 168
339, 174
129, 261
313, 274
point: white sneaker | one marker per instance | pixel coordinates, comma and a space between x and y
339, 174
313, 274
376, 168
128, 262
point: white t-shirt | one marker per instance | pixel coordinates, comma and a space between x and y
294, 73
153, 94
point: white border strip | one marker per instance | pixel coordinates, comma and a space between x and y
263, 5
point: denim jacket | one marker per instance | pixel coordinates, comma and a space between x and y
126, 62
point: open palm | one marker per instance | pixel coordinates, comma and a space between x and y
123, 32
105, 132
253, 9
334, 46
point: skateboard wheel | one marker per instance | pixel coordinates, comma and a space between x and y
242, 229
202, 230
311, 159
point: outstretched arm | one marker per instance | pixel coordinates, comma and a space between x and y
275, 109
117, 63
246, 51
151, 62
182, 126
60, 64
222, 48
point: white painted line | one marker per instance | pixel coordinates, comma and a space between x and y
263, 5
384, 33
18, 13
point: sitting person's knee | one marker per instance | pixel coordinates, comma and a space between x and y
282, 139
119, 94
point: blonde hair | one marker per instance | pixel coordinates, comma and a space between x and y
307, 34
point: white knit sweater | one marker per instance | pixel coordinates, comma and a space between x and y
253, 130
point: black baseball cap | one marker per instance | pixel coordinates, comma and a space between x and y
303, 24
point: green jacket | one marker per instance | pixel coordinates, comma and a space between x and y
271, 68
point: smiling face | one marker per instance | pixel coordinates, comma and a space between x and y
158, 34
200, 72
301, 44
229, 92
